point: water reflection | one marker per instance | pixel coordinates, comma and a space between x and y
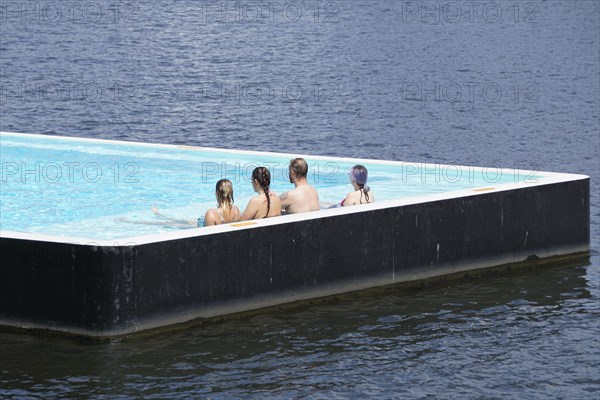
322, 347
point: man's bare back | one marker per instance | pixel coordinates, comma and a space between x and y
304, 197
301, 199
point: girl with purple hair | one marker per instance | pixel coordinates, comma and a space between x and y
362, 193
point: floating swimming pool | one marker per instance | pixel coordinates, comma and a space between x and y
74, 262
79, 188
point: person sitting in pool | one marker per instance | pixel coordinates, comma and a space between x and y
225, 212
266, 204
362, 193
304, 197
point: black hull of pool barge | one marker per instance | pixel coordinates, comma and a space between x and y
106, 291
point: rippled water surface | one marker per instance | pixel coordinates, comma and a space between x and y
508, 84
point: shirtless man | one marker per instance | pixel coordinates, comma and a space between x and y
304, 197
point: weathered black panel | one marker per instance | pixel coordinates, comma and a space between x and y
57, 283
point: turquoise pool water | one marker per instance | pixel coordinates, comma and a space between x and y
79, 188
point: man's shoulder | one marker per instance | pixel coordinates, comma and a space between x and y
309, 190
312, 188
306, 188
294, 192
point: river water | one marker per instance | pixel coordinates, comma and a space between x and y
504, 83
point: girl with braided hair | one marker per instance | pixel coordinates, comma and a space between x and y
266, 203
362, 193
